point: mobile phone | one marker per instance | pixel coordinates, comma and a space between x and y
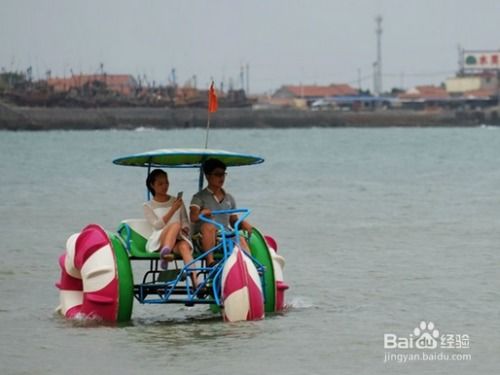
179, 194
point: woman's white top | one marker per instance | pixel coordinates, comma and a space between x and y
154, 212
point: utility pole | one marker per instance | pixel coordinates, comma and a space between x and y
247, 68
460, 61
242, 78
359, 79
378, 67
174, 77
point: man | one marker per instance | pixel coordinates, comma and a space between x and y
213, 198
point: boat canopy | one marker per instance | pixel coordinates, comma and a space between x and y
186, 158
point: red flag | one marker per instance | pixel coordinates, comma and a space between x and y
212, 99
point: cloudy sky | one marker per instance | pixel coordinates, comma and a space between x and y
282, 41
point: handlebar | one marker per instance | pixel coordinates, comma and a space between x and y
244, 211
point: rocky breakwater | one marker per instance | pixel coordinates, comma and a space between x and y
40, 118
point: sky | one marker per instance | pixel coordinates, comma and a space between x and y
283, 42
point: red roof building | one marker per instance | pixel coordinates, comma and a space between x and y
424, 93
481, 93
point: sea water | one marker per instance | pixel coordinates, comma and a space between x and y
383, 230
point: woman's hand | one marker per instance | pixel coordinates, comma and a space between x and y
177, 204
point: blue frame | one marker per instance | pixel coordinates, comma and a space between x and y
211, 283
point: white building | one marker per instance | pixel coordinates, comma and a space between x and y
460, 85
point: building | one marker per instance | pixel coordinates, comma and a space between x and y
353, 103
313, 92
461, 85
119, 83
478, 83
424, 97
310, 93
435, 98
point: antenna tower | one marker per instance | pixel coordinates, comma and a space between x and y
378, 65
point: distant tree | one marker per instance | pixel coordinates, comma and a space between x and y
395, 91
10, 80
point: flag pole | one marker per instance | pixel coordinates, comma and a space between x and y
212, 107
200, 179
208, 128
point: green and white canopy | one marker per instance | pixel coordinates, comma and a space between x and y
186, 158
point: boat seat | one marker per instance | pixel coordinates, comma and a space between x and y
135, 234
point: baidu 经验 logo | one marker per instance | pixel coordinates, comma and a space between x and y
421, 343
425, 336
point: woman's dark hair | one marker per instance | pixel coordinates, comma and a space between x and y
212, 164
152, 178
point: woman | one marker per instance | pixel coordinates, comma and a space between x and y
168, 217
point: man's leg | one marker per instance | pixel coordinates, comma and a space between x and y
208, 239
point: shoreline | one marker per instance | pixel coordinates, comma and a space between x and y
16, 118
